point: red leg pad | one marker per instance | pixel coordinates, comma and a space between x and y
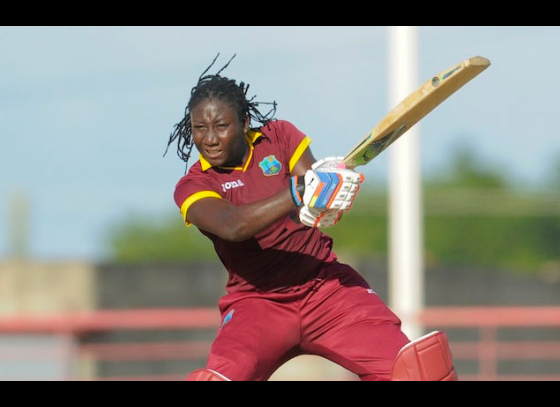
426, 359
205, 375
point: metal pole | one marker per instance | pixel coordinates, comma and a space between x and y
406, 260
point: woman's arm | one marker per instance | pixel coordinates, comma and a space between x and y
239, 223
304, 163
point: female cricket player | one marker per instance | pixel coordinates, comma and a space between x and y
260, 196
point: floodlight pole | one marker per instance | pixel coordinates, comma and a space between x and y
406, 260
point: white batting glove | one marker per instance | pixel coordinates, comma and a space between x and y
315, 218
326, 187
329, 163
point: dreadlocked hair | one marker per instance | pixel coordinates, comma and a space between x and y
217, 87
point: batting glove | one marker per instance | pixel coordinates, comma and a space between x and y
315, 218
329, 163
324, 187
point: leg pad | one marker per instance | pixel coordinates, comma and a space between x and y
425, 359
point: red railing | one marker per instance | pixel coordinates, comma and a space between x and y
487, 350
69, 329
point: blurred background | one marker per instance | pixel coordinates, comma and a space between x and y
100, 279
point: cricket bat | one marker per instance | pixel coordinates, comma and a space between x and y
413, 108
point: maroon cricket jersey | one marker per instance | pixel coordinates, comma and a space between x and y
286, 254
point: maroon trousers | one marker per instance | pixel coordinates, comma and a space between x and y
336, 316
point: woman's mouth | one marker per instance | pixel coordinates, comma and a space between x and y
214, 154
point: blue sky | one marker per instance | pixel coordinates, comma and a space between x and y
85, 112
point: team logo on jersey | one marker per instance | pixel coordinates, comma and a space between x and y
270, 166
227, 318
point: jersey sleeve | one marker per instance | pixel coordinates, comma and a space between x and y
293, 142
191, 189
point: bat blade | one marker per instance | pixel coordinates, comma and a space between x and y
413, 108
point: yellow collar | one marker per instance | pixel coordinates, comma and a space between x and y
252, 137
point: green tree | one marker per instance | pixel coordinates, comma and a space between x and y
471, 218
555, 174
135, 239
466, 170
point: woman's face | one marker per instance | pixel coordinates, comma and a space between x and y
218, 133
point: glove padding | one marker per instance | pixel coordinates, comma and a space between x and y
326, 187
329, 163
315, 218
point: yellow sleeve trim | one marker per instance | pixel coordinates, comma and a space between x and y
299, 152
194, 198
